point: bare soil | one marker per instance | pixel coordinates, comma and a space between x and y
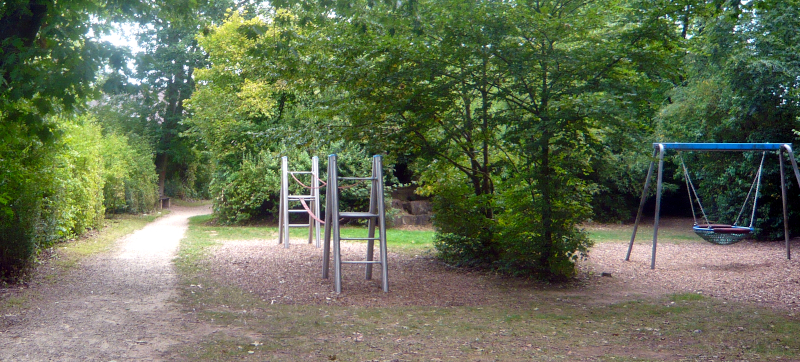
120, 305
749, 271
113, 306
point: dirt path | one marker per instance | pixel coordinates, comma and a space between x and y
117, 306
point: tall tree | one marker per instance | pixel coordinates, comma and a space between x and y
741, 86
48, 61
166, 68
510, 95
49, 57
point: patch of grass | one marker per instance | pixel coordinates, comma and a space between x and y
412, 241
622, 234
14, 301
686, 296
409, 241
646, 330
554, 327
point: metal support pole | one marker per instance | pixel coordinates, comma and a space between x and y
785, 208
373, 209
382, 224
333, 175
330, 189
658, 204
284, 203
315, 193
280, 212
641, 205
789, 151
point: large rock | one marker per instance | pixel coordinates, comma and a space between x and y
405, 219
397, 204
422, 207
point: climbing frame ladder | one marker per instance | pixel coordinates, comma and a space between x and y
376, 217
286, 199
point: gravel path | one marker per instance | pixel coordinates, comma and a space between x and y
116, 306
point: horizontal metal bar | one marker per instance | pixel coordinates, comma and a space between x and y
297, 210
357, 215
298, 225
300, 197
359, 238
300, 172
361, 262
721, 146
357, 178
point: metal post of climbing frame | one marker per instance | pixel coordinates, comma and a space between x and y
377, 207
382, 223
376, 218
337, 252
333, 188
315, 184
373, 209
283, 230
284, 220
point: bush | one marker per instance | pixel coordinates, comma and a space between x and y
131, 183
465, 235
76, 196
51, 188
250, 189
526, 249
504, 230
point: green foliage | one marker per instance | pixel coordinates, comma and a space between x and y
741, 87
464, 235
76, 195
524, 237
51, 191
247, 118
514, 99
248, 191
489, 100
129, 174
47, 61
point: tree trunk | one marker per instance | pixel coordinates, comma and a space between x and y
547, 212
162, 173
24, 24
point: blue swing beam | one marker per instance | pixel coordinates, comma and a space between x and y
660, 149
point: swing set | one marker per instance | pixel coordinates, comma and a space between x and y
721, 234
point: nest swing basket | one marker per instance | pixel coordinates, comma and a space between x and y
722, 234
